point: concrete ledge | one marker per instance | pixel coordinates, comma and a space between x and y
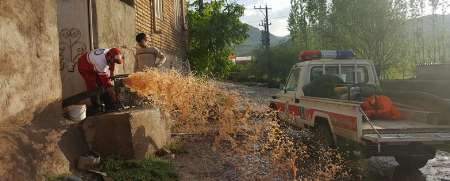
132, 134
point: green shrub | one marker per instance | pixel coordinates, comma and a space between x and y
148, 169
54, 178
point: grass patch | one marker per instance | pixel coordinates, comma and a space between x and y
54, 178
148, 169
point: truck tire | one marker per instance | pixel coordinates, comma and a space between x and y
324, 134
412, 162
273, 107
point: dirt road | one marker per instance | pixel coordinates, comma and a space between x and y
385, 167
202, 163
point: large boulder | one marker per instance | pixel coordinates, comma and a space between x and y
132, 134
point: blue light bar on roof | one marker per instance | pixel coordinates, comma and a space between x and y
337, 54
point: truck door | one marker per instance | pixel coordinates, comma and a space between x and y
292, 101
288, 93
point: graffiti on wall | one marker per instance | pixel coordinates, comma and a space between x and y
70, 48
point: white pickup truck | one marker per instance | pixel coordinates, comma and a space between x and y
342, 121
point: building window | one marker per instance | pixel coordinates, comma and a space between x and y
158, 8
129, 2
177, 10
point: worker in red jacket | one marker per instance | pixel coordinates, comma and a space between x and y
97, 68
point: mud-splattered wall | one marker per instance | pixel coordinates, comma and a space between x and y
73, 29
30, 91
115, 26
30, 78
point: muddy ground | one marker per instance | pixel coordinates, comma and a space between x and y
200, 162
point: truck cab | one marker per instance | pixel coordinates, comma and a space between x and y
342, 120
351, 71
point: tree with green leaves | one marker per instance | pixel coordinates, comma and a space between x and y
281, 59
309, 24
371, 28
214, 30
395, 34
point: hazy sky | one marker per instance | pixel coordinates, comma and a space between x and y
280, 12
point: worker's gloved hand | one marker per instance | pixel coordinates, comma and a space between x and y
112, 93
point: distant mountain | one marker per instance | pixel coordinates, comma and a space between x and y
440, 22
254, 41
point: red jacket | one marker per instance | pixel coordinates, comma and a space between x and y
94, 68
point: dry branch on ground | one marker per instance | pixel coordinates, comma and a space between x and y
242, 131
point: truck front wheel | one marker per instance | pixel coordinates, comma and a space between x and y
323, 133
412, 162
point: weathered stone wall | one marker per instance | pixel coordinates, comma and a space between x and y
115, 24
73, 29
132, 134
30, 79
30, 91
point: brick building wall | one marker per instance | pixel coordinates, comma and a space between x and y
167, 32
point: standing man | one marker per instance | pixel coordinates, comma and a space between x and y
97, 68
141, 40
147, 56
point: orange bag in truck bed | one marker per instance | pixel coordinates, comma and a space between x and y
381, 107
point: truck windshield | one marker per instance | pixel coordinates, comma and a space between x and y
347, 73
293, 80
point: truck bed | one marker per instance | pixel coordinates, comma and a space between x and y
404, 131
420, 126
403, 126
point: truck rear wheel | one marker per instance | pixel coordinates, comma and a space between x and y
273, 107
412, 162
323, 132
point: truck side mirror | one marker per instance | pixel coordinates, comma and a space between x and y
283, 87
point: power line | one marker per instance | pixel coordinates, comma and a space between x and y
279, 17
265, 34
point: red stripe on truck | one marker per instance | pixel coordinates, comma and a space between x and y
280, 106
344, 121
294, 110
337, 120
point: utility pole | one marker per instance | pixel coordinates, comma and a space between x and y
265, 34
267, 28
265, 37
200, 5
